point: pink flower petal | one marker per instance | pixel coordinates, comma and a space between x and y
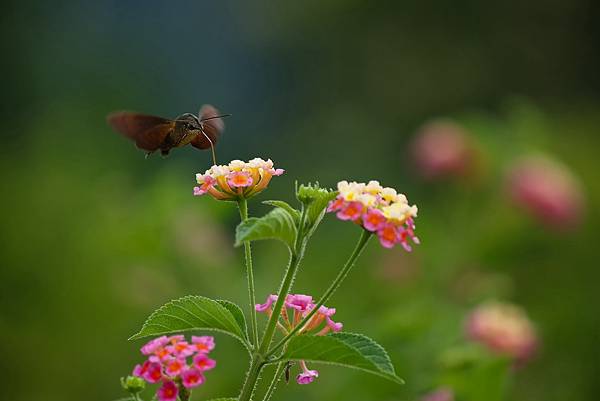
192, 378
203, 344
267, 305
203, 363
168, 391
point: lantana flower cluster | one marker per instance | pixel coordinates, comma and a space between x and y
504, 328
236, 180
298, 306
176, 363
378, 209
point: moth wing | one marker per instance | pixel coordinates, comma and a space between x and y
147, 131
212, 127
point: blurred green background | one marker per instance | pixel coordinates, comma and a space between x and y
94, 237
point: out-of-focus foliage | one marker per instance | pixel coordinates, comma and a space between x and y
94, 237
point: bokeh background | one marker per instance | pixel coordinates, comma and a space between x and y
94, 237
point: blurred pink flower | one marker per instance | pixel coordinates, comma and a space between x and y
547, 189
504, 328
441, 148
441, 394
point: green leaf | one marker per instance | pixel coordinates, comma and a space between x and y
345, 349
193, 312
237, 313
285, 206
277, 224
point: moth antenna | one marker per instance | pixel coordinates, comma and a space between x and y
213, 117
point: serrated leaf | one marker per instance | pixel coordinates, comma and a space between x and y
192, 312
344, 349
237, 313
285, 206
277, 224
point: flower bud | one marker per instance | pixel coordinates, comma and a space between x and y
308, 193
132, 384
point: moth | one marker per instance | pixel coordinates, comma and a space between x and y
288, 366
152, 133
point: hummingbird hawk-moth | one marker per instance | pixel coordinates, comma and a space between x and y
152, 133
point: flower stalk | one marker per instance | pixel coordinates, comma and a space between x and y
243, 207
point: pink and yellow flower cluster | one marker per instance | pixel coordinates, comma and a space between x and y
176, 363
236, 180
378, 209
504, 328
296, 307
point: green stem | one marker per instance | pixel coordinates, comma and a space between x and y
281, 295
360, 246
286, 284
276, 378
243, 206
251, 378
258, 357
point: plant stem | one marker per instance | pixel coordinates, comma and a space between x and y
281, 295
258, 358
274, 382
360, 245
243, 206
251, 378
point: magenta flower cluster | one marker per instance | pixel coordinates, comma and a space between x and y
175, 363
298, 306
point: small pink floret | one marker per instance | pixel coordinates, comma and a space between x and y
192, 378
278, 171
307, 376
203, 344
388, 235
351, 211
267, 305
204, 363
168, 391
151, 346
335, 205
334, 326
373, 220
299, 302
140, 370
154, 372
238, 179
175, 367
